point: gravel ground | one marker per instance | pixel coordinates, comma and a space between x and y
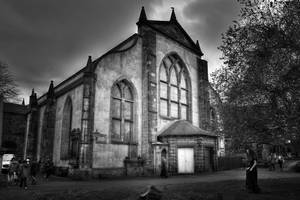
228, 184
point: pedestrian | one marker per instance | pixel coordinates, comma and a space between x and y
14, 165
164, 168
272, 161
33, 172
251, 171
19, 164
48, 168
10, 173
25, 173
280, 162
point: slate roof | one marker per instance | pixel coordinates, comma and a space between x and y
184, 128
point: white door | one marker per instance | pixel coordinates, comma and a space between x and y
185, 160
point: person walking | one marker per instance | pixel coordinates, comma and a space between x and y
280, 162
25, 173
14, 165
10, 173
251, 171
272, 161
48, 168
33, 172
164, 169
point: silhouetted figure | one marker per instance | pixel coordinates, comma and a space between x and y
164, 169
280, 162
12, 171
33, 171
48, 168
272, 160
25, 173
251, 172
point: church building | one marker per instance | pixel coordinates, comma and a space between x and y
144, 100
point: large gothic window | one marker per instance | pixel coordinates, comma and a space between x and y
173, 89
122, 112
66, 129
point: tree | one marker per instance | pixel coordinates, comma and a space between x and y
8, 88
261, 53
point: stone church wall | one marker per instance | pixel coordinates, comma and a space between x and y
164, 47
111, 68
76, 95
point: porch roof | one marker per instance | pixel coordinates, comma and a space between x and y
184, 128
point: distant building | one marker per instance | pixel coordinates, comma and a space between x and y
145, 99
12, 128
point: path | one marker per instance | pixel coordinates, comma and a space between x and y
57, 185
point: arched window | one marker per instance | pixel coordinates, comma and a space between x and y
212, 114
174, 89
48, 128
122, 112
66, 129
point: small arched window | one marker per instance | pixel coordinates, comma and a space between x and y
122, 112
212, 114
213, 118
174, 89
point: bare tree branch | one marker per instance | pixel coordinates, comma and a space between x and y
8, 87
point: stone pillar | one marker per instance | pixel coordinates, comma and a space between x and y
32, 134
30, 143
149, 94
87, 120
203, 94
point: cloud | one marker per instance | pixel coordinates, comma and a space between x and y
51, 39
207, 21
214, 16
204, 20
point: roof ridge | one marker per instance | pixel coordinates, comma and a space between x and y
193, 48
184, 128
93, 62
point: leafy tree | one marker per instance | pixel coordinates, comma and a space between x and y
261, 53
8, 88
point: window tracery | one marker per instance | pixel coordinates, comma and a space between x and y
122, 112
173, 89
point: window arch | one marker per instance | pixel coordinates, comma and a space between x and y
174, 88
122, 112
66, 129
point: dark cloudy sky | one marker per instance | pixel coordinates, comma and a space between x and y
43, 40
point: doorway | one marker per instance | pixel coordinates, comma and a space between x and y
185, 159
208, 158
